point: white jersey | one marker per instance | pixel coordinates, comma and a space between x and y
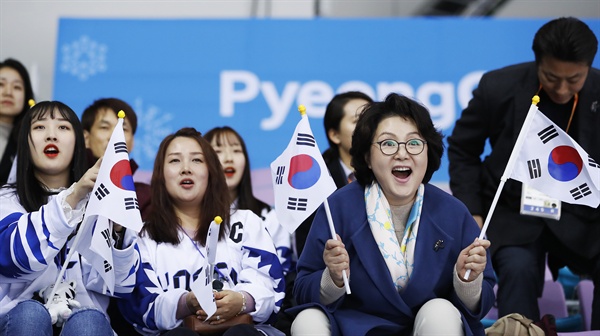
246, 261
32, 253
281, 237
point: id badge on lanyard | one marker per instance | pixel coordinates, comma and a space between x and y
536, 203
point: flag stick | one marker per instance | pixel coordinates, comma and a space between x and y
334, 235
72, 250
509, 167
211, 246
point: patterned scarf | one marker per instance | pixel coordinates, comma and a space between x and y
399, 257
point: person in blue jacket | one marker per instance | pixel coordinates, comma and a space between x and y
404, 244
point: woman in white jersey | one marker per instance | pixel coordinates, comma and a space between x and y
188, 192
39, 216
233, 154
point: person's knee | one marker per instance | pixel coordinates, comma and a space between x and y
514, 259
311, 321
34, 310
27, 318
438, 317
92, 315
87, 322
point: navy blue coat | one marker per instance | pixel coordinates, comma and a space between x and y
375, 307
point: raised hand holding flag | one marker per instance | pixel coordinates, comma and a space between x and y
113, 198
547, 159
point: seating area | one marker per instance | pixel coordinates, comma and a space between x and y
569, 299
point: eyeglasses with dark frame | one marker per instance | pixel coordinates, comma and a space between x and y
390, 146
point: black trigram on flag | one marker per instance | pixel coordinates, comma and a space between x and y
592, 163
101, 192
548, 134
106, 235
279, 177
581, 191
304, 139
107, 266
297, 204
120, 147
535, 170
131, 203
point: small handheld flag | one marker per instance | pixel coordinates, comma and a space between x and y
552, 162
301, 181
547, 159
113, 198
212, 239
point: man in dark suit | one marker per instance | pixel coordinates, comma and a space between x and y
569, 90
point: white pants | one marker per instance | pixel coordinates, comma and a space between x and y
436, 317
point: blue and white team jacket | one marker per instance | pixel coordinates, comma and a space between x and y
246, 260
281, 237
31, 253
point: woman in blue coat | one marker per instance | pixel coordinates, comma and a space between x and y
404, 244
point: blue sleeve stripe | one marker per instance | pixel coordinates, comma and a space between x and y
47, 232
34, 242
19, 252
7, 226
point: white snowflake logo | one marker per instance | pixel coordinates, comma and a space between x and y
151, 130
83, 58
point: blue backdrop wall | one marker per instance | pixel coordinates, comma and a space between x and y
253, 74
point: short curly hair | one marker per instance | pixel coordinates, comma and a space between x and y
366, 126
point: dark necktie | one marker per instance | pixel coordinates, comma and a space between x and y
351, 177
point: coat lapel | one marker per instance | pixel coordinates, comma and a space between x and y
372, 261
429, 263
429, 260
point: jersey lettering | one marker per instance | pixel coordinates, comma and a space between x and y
237, 232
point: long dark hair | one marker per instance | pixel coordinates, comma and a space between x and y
246, 199
163, 224
32, 193
334, 113
11, 146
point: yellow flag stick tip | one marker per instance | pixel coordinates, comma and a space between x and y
121, 114
218, 220
31, 102
535, 100
302, 109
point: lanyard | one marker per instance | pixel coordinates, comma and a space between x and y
215, 269
575, 101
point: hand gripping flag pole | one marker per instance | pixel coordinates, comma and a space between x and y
334, 236
547, 159
509, 166
114, 201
